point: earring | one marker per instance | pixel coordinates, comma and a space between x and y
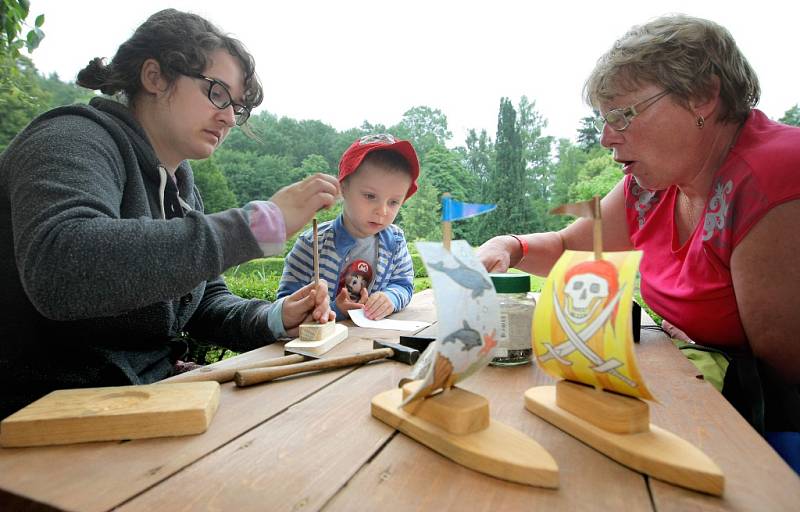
700, 122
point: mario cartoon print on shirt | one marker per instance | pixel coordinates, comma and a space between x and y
355, 278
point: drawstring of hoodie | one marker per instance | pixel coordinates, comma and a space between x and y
162, 187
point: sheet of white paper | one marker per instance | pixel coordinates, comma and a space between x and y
358, 318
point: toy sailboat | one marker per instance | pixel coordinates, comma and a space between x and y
452, 421
582, 335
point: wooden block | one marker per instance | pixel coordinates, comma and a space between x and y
319, 347
113, 413
609, 411
315, 331
456, 410
656, 452
497, 450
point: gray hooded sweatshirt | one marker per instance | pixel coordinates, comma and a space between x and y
104, 261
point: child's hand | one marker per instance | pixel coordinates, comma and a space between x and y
306, 305
345, 303
378, 306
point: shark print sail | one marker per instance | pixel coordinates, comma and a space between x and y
469, 317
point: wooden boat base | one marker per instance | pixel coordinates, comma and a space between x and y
655, 452
497, 450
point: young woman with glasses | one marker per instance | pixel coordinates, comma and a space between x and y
710, 194
108, 259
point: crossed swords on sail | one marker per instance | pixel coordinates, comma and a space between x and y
577, 341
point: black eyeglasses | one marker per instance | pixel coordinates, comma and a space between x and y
620, 118
220, 97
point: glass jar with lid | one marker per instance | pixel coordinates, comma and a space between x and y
516, 314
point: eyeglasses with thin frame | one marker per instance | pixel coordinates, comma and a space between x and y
620, 118
220, 97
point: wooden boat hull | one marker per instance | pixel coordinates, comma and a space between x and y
497, 450
656, 452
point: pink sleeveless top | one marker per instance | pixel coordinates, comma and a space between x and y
690, 285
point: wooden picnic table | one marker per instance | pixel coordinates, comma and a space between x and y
310, 443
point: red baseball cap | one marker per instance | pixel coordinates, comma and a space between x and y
355, 154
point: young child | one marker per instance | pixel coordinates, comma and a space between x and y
362, 254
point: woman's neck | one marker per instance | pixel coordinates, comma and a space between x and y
698, 187
151, 125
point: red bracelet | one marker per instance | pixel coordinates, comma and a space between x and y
523, 245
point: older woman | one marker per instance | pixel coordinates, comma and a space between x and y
711, 193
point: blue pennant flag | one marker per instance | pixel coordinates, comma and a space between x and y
456, 210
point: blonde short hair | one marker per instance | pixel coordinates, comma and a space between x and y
682, 54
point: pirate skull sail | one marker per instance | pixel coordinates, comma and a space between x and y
582, 328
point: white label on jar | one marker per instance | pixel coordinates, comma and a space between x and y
504, 328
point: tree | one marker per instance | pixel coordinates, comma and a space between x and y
254, 177
313, 164
12, 18
792, 116
588, 137
571, 159
507, 187
64, 93
535, 149
21, 99
479, 158
421, 213
213, 186
424, 127
597, 177
444, 171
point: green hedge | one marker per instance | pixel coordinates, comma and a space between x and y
264, 266
253, 286
419, 267
274, 266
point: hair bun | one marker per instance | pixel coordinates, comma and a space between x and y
95, 76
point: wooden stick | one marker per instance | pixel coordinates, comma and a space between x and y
598, 230
447, 230
259, 375
447, 235
226, 374
316, 254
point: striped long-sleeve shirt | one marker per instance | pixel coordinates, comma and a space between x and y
394, 270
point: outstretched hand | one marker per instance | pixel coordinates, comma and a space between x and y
494, 255
300, 201
308, 304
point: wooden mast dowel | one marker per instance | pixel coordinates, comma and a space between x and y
316, 253
447, 235
598, 229
447, 230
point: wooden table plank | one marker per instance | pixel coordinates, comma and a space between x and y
756, 478
296, 460
98, 476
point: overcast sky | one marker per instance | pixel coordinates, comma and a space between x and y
344, 61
